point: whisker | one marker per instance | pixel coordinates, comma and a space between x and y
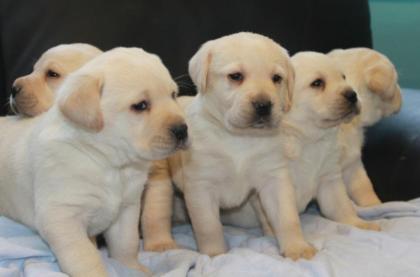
12, 106
181, 76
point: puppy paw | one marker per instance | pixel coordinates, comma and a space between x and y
213, 250
302, 250
215, 253
160, 246
368, 200
368, 225
144, 269
133, 264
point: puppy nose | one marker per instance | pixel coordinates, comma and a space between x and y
351, 96
15, 90
262, 108
180, 131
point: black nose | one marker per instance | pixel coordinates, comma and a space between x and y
262, 108
180, 131
15, 90
351, 96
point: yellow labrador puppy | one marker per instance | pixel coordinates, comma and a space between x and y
322, 100
245, 83
78, 170
375, 79
34, 93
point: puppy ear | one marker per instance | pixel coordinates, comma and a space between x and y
198, 67
395, 102
80, 101
290, 86
381, 78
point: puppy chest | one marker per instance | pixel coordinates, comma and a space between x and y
235, 177
102, 218
307, 173
119, 191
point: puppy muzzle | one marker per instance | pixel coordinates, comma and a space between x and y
15, 91
352, 103
263, 112
179, 133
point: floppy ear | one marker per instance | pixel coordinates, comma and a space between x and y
198, 66
381, 79
290, 86
80, 101
396, 100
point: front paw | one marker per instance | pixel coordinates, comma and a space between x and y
366, 225
160, 246
300, 250
213, 250
133, 264
143, 269
369, 201
214, 253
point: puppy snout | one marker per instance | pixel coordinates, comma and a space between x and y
179, 132
15, 90
262, 108
351, 96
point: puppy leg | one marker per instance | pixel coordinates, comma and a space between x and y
68, 239
157, 210
279, 202
336, 205
360, 187
122, 237
205, 218
262, 217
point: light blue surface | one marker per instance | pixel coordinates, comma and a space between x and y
343, 250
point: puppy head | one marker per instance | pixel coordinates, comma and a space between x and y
246, 81
34, 93
375, 79
128, 97
322, 96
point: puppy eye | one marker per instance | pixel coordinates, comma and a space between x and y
52, 74
141, 106
237, 77
318, 83
173, 95
276, 78
344, 76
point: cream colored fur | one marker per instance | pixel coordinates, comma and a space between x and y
375, 79
38, 89
309, 142
78, 170
233, 153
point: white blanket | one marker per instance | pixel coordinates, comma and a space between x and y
343, 250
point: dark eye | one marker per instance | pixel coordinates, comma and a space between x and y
344, 76
141, 106
237, 76
276, 78
173, 95
318, 83
52, 74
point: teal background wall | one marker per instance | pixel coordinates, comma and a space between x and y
396, 33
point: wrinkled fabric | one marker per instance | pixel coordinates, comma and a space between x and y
343, 250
